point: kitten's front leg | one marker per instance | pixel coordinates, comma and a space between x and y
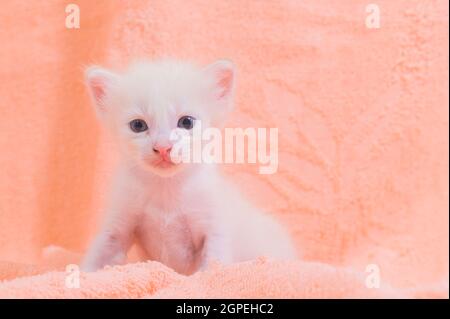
216, 248
109, 247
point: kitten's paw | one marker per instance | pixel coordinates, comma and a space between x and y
89, 267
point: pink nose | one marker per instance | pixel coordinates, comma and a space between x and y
164, 151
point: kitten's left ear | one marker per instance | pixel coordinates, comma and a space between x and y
222, 73
100, 82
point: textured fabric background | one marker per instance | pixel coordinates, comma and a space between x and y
362, 117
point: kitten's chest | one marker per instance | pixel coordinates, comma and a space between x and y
173, 236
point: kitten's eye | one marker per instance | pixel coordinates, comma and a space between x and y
186, 122
138, 125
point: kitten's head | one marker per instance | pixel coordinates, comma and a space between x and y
143, 105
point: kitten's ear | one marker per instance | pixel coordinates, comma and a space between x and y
99, 82
222, 74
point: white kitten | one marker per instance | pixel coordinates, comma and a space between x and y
183, 215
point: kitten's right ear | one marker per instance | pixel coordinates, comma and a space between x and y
99, 82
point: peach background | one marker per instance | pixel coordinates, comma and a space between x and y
362, 116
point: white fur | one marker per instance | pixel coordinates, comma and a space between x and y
182, 215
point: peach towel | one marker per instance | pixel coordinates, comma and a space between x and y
260, 278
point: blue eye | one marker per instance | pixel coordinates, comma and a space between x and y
186, 122
138, 126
